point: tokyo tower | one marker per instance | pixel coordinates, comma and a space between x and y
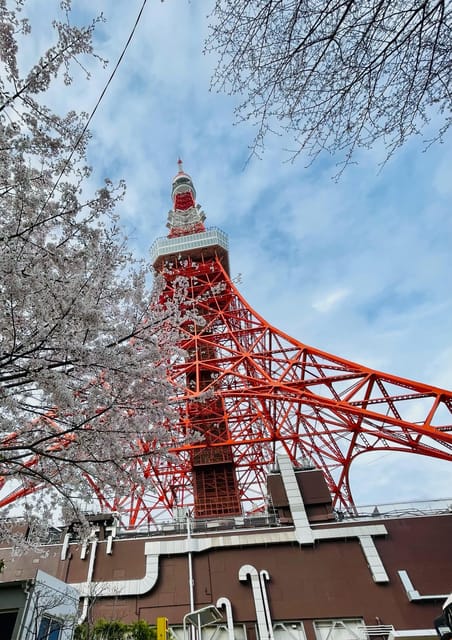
247, 392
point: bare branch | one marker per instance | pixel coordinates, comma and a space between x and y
336, 75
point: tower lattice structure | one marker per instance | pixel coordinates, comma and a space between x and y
246, 392
250, 392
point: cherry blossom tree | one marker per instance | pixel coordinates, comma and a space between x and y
336, 75
84, 344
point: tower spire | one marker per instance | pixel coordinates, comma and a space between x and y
186, 217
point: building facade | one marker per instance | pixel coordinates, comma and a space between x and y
301, 571
35, 607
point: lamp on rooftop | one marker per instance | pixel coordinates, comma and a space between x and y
202, 618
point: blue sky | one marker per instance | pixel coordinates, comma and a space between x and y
360, 268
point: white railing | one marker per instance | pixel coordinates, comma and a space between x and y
399, 509
168, 246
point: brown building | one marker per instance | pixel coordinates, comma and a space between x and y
301, 571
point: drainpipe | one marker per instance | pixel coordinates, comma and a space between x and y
264, 575
230, 622
89, 579
248, 570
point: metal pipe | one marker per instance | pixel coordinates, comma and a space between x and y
263, 576
89, 579
229, 619
248, 570
191, 585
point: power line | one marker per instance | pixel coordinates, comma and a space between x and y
96, 106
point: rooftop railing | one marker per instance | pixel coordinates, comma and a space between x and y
178, 526
399, 509
211, 237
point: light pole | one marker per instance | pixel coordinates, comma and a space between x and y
201, 618
190, 563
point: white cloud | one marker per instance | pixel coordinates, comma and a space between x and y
329, 301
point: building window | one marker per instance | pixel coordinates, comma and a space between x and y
340, 629
7, 622
49, 629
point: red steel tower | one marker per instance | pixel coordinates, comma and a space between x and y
246, 392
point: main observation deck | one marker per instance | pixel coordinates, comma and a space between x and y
198, 246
